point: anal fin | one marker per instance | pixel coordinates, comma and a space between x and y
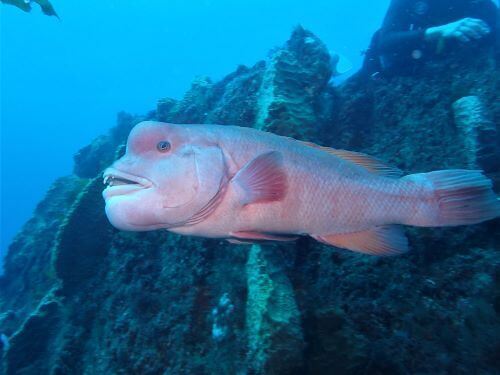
382, 241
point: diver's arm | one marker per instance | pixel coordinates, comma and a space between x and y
464, 30
401, 41
395, 34
394, 38
482, 18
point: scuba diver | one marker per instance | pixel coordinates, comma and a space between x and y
415, 31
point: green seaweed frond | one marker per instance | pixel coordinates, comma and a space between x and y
25, 5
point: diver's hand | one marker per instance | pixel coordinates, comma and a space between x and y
465, 30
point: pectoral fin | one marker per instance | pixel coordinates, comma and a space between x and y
263, 179
382, 241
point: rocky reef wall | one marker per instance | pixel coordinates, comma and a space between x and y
80, 297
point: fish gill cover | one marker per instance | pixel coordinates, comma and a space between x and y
81, 297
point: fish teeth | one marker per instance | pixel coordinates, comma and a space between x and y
108, 180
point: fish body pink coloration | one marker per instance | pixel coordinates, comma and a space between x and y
246, 185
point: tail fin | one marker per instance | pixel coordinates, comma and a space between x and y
463, 197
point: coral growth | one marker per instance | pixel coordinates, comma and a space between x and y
480, 138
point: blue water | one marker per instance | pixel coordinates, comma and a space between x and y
63, 81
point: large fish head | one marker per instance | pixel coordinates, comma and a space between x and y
168, 176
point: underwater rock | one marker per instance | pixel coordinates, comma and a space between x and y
408, 120
193, 107
29, 273
233, 100
479, 134
88, 160
83, 239
164, 107
275, 341
97, 300
236, 96
92, 159
222, 316
30, 350
293, 81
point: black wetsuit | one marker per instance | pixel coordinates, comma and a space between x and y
400, 45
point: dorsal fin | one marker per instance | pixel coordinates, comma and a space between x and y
368, 162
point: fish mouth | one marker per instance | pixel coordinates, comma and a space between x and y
120, 183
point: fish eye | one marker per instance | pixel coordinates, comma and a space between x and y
163, 146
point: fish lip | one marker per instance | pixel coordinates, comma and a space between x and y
140, 183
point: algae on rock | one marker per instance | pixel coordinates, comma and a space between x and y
275, 341
293, 82
480, 138
29, 273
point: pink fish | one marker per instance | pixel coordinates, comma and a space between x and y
246, 185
